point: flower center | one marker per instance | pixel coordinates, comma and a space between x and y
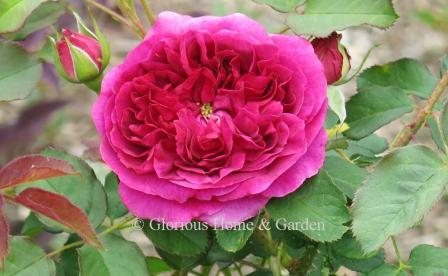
206, 110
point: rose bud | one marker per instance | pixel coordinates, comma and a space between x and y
81, 56
333, 55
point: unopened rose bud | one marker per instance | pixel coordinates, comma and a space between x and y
333, 55
81, 56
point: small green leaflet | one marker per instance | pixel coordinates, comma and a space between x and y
401, 189
282, 5
318, 201
26, 259
373, 108
119, 257
13, 13
336, 101
407, 75
19, 73
429, 260
322, 17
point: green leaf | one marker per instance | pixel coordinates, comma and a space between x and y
362, 265
43, 16
444, 123
429, 260
183, 242
407, 75
365, 151
27, 259
216, 254
19, 73
374, 107
282, 5
84, 190
322, 17
13, 13
115, 207
401, 189
157, 266
336, 101
348, 253
67, 263
31, 226
319, 203
234, 239
436, 133
179, 262
386, 270
345, 175
119, 257
259, 244
444, 65
330, 120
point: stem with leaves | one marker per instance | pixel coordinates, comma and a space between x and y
407, 133
108, 230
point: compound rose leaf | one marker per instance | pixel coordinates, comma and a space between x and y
60, 209
32, 168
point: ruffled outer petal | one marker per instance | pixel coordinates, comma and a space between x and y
214, 213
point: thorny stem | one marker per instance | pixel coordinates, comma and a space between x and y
148, 11
405, 135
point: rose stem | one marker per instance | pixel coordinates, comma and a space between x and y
405, 135
115, 16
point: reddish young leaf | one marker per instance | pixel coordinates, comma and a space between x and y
32, 168
60, 209
4, 233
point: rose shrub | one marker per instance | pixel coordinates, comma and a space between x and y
210, 117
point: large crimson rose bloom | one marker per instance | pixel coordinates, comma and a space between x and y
210, 117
